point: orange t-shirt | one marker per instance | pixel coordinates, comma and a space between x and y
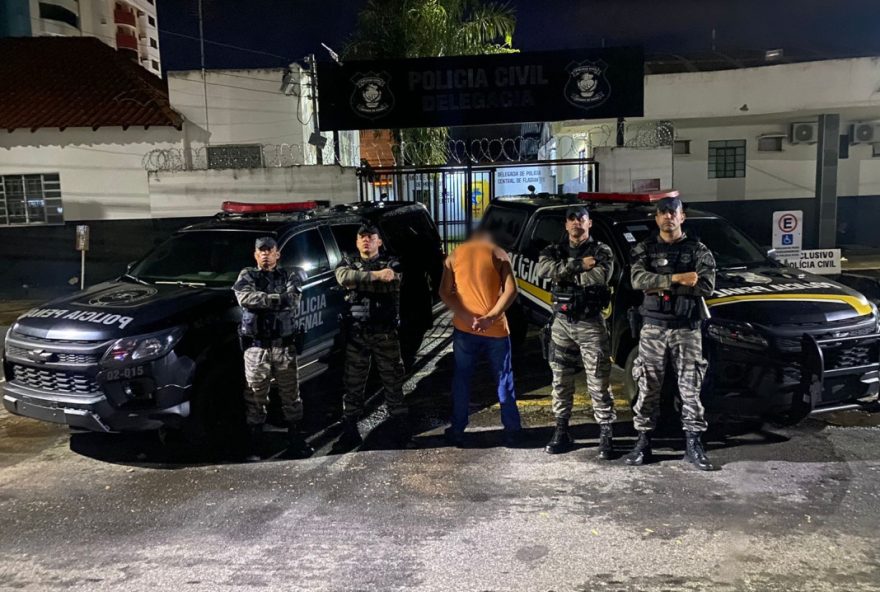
477, 269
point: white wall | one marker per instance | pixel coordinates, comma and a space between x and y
248, 107
620, 167
823, 86
201, 193
101, 172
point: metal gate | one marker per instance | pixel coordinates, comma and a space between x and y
457, 195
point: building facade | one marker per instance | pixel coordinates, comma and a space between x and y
743, 142
129, 26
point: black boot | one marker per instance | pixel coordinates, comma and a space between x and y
350, 437
254, 443
641, 452
606, 441
297, 447
696, 454
561, 440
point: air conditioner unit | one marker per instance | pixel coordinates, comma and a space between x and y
863, 133
804, 133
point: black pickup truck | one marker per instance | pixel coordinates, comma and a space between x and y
158, 346
781, 343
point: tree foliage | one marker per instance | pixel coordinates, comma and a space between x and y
430, 28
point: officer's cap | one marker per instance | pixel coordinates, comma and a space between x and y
668, 204
577, 212
265, 243
367, 227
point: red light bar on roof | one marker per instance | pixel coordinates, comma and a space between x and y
627, 197
238, 207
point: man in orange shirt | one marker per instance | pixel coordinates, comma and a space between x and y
478, 286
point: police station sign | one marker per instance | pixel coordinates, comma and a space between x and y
516, 180
478, 90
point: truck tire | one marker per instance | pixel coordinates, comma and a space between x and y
216, 424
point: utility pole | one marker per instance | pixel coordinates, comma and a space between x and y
204, 75
313, 73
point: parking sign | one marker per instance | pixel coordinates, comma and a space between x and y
788, 231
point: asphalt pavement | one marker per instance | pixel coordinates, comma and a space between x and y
791, 509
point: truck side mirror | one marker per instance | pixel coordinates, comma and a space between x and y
771, 254
300, 274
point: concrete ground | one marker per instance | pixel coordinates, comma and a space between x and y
791, 509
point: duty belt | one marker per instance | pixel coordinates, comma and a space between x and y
267, 343
671, 323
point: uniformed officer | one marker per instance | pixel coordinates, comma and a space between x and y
269, 298
580, 268
676, 272
372, 283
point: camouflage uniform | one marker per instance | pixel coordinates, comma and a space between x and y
269, 302
371, 332
671, 327
579, 337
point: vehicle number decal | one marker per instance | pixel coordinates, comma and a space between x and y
629, 237
130, 372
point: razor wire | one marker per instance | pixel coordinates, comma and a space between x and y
452, 151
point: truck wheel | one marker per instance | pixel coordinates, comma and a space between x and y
519, 326
216, 425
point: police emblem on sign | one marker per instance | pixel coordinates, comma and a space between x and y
587, 87
372, 97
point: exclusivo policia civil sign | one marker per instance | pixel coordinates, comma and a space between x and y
479, 90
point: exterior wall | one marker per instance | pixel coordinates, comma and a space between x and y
619, 168
201, 193
249, 107
788, 174
809, 87
102, 172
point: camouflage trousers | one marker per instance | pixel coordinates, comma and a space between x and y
261, 365
586, 342
684, 347
361, 348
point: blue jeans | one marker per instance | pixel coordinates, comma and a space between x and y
467, 347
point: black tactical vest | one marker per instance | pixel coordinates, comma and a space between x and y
670, 258
374, 311
571, 299
269, 324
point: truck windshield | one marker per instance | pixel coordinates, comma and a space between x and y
213, 258
730, 246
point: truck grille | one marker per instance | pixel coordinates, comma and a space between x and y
848, 356
794, 344
57, 358
54, 380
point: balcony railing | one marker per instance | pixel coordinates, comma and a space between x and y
123, 17
126, 41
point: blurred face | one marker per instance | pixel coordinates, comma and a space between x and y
368, 245
578, 229
267, 259
670, 220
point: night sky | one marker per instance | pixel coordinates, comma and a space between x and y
276, 32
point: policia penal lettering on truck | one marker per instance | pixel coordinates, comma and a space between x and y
780, 343
160, 345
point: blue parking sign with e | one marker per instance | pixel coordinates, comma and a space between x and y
787, 239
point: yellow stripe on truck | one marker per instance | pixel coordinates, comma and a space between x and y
535, 291
861, 305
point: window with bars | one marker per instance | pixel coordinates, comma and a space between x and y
235, 156
727, 159
30, 199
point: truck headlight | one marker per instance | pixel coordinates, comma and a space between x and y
141, 348
738, 335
